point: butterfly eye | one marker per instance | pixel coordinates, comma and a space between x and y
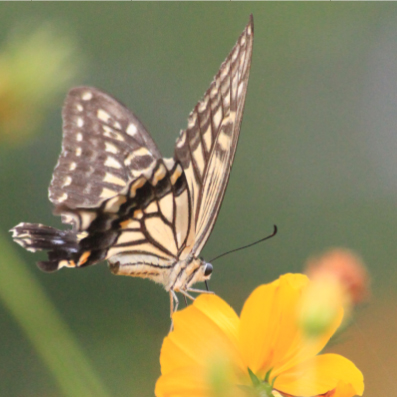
208, 269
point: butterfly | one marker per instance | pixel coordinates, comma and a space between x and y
148, 216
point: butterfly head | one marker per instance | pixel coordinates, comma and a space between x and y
190, 272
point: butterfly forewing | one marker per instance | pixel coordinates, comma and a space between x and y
104, 147
206, 148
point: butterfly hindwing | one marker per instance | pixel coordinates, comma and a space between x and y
147, 222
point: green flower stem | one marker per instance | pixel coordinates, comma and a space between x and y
27, 302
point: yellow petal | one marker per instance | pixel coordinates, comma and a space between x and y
344, 390
263, 321
320, 375
182, 382
206, 327
198, 382
270, 337
220, 313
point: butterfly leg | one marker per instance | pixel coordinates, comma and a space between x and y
174, 302
186, 293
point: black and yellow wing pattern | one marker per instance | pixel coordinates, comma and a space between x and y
147, 215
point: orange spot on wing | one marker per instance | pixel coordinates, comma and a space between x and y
83, 258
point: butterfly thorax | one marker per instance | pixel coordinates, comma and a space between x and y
173, 275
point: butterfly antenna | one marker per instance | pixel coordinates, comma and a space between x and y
246, 246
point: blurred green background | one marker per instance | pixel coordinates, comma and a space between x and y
317, 157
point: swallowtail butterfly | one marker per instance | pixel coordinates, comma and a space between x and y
147, 215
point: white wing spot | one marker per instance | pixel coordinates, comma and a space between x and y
242, 40
240, 89
136, 185
217, 118
79, 151
79, 108
181, 141
146, 172
86, 96
106, 193
225, 87
112, 162
208, 138
70, 218
79, 137
249, 30
192, 119
113, 205
102, 115
142, 151
86, 218
72, 166
203, 104
62, 198
225, 71
67, 181
63, 263
25, 238
117, 125
109, 147
82, 235
80, 122
214, 93
235, 54
234, 86
169, 163
199, 157
131, 130
226, 101
224, 141
110, 133
110, 178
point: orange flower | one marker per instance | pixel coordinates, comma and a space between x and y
213, 352
338, 278
346, 269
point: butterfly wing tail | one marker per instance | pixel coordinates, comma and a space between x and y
61, 245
